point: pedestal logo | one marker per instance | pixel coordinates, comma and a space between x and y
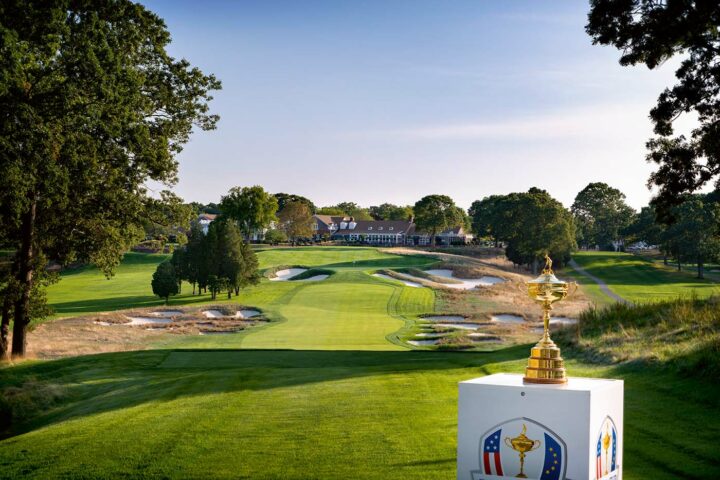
606, 457
521, 448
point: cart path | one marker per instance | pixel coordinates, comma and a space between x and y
603, 286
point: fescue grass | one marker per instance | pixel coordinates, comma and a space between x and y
639, 280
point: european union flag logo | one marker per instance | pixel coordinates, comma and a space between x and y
553, 460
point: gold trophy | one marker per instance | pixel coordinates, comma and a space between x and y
606, 445
545, 364
522, 444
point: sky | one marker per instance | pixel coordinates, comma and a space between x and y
390, 100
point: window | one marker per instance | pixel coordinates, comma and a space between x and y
391, 228
380, 228
369, 228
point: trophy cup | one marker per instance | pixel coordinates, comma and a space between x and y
545, 364
606, 445
522, 444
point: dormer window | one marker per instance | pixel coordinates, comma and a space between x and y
391, 228
369, 228
380, 228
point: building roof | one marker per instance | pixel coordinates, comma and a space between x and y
207, 216
381, 227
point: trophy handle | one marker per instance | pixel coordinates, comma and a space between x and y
507, 442
536, 445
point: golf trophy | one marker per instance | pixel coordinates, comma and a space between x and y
545, 364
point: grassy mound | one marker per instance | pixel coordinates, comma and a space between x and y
682, 334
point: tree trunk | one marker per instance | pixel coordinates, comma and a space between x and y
229, 294
193, 285
237, 291
701, 269
5, 326
25, 279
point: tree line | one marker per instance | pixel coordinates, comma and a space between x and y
219, 261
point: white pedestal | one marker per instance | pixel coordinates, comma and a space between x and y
576, 429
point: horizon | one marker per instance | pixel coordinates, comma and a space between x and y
379, 103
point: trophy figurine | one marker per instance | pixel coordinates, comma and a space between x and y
606, 445
522, 444
545, 364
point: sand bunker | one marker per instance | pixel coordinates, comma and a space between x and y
315, 278
104, 324
419, 343
430, 335
465, 283
563, 321
287, 274
507, 318
247, 313
406, 282
167, 313
213, 314
459, 326
445, 318
147, 321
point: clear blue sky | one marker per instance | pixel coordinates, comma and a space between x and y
387, 101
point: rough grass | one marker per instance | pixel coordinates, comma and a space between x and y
682, 334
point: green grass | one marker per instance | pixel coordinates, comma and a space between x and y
639, 280
324, 391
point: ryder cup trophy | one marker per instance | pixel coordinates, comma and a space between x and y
545, 364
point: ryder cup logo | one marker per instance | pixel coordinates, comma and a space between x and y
521, 448
606, 454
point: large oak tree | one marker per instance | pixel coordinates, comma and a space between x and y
650, 32
92, 107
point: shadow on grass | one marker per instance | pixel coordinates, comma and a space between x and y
106, 382
120, 303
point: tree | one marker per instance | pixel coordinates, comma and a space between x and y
295, 220
601, 214
285, 198
696, 232
436, 213
388, 211
250, 274
164, 281
537, 224
251, 207
487, 217
230, 262
651, 32
194, 255
93, 108
275, 236
645, 227
346, 209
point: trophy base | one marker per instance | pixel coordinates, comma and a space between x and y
545, 364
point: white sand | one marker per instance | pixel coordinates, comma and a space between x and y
506, 318
430, 335
287, 274
147, 321
247, 313
418, 343
406, 282
459, 326
104, 324
213, 314
315, 278
466, 283
167, 313
563, 321
444, 318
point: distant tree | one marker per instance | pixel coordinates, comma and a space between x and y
696, 232
93, 109
230, 261
346, 209
285, 198
216, 285
180, 262
295, 220
537, 224
645, 227
250, 274
330, 211
487, 217
388, 211
251, 207
601, 214
194, 255
651, 32
164, 281
436, 213
275, 236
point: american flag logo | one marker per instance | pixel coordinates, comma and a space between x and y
606, 452
498, 460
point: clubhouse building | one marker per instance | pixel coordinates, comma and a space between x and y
381, 232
